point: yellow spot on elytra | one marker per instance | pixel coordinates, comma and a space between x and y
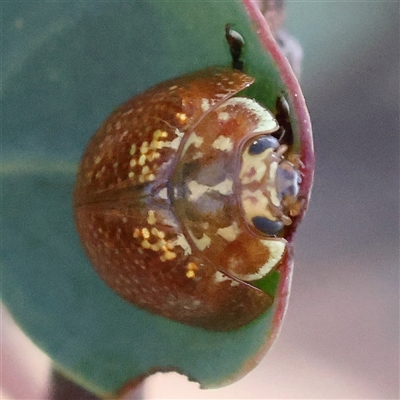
145, 233
170, 245
191, 269
154, 240
97, 160
155, 247
151, 217
159, 134
152, 156
146, 244
142, 160
144, 148
168, 256
132, 150
160, 235
182, 117
131, 175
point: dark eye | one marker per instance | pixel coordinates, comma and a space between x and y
263, 143
267, 226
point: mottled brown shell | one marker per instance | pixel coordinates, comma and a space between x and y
164, 195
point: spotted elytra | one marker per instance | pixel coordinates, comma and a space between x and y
183, 199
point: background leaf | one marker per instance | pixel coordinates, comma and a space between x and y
65, 67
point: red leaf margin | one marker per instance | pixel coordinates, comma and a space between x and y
304, 130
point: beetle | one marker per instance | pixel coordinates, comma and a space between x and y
183, 198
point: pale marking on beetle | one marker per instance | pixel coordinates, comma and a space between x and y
255, 204
273, 168
225, 187
194, 140
229, 233
132, 151
223, 143
276, 249
151, 217
129, 112
182, 242
223, 116
266, 120
191, 269
144, 148
142, 160
181, 117
205, 104
197, 155
220, 277
254, 166
201, 243
163, 194
198, 189
272, 171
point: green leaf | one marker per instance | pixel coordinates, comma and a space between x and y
66, 65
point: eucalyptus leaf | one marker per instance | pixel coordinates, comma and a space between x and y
65, 67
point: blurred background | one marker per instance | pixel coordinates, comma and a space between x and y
340, 338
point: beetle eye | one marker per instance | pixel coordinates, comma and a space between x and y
267, 226
263, 143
